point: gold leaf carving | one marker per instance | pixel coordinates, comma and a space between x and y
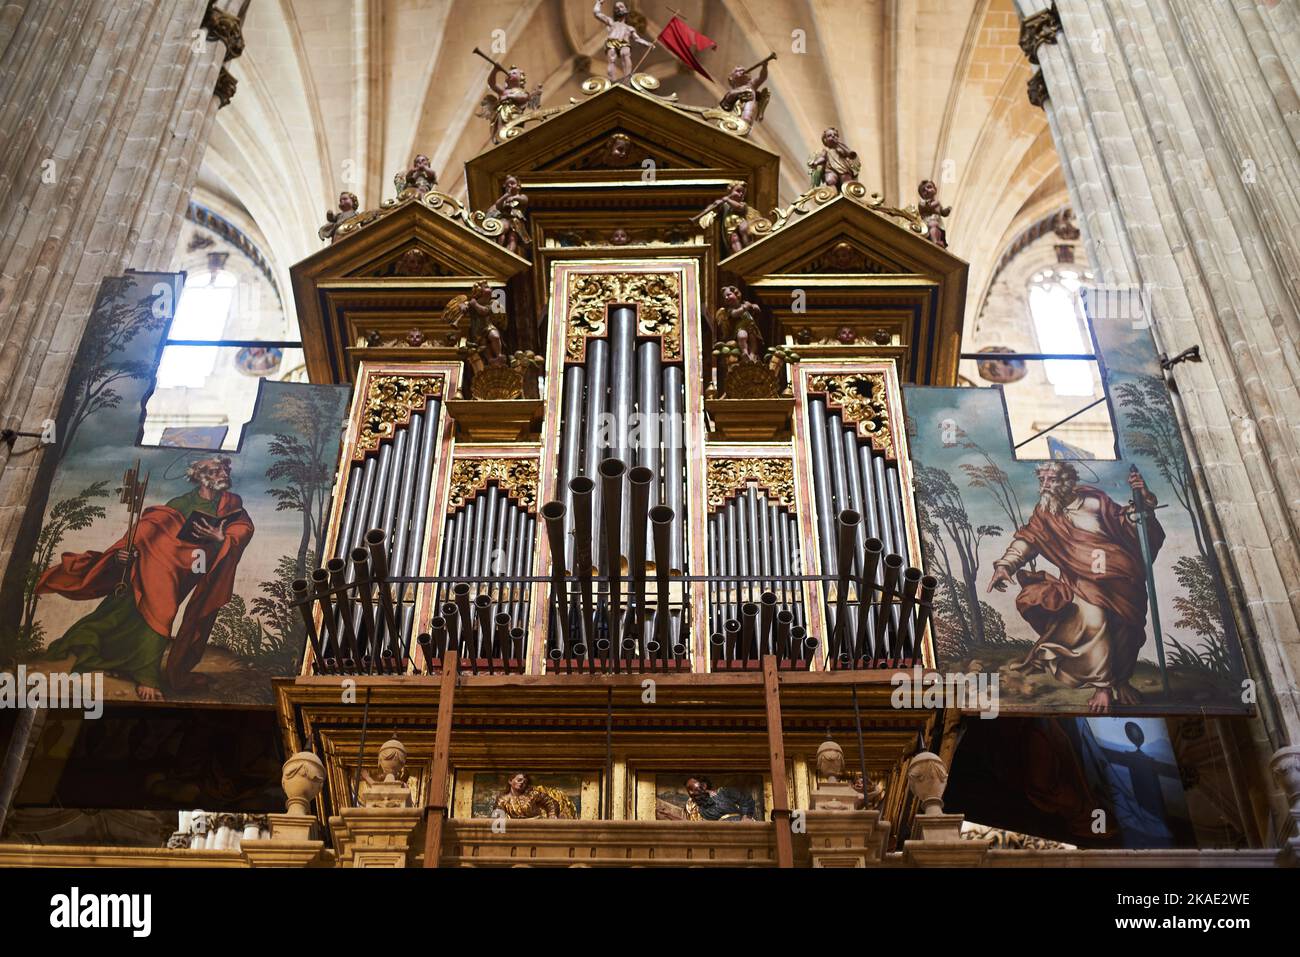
860, 397
727, 477
516, 477
390, 400
657, 297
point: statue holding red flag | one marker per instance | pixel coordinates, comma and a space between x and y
619, 37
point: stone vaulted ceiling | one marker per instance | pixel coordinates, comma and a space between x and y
339, 92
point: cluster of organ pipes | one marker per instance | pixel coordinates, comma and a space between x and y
598, 618
482, 592
624, 402
361, 613
755, 596
380, 534
879, 611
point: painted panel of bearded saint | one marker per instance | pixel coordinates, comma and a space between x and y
178, 592
1053, 573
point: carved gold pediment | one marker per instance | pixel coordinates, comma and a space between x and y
570, 142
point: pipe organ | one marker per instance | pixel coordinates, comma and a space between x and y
577, 489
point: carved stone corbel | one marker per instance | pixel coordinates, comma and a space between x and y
1038, 29
225, 27
1038, 94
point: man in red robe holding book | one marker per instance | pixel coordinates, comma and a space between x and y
189, 547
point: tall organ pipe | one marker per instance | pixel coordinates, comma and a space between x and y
583, 490
649, 384
597, 387
640, 481
821, 479
575, 379
882, 504
611, 477
848, 526
423, 481
662, 519
896, 511
622, 392
553, 514
674, 463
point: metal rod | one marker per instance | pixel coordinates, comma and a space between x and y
1060, 422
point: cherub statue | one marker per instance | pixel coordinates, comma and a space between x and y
508, 100
473, 316
835, 164
420, 177
736, 319
620, 35
747, 97
511, 208
349, 206
933, 212
737, 216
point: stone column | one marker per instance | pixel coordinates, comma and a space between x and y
106, 107
1177, 123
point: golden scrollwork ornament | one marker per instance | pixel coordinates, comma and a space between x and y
390, 400
860, 397
657, 297
727, 477
516, 477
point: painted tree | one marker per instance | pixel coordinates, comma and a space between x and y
993, 479
1151, 433
305, 448
105, 360
72, 514
941, 496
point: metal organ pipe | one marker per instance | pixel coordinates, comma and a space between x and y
622, 391
597, 386
821, 478
674, 463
